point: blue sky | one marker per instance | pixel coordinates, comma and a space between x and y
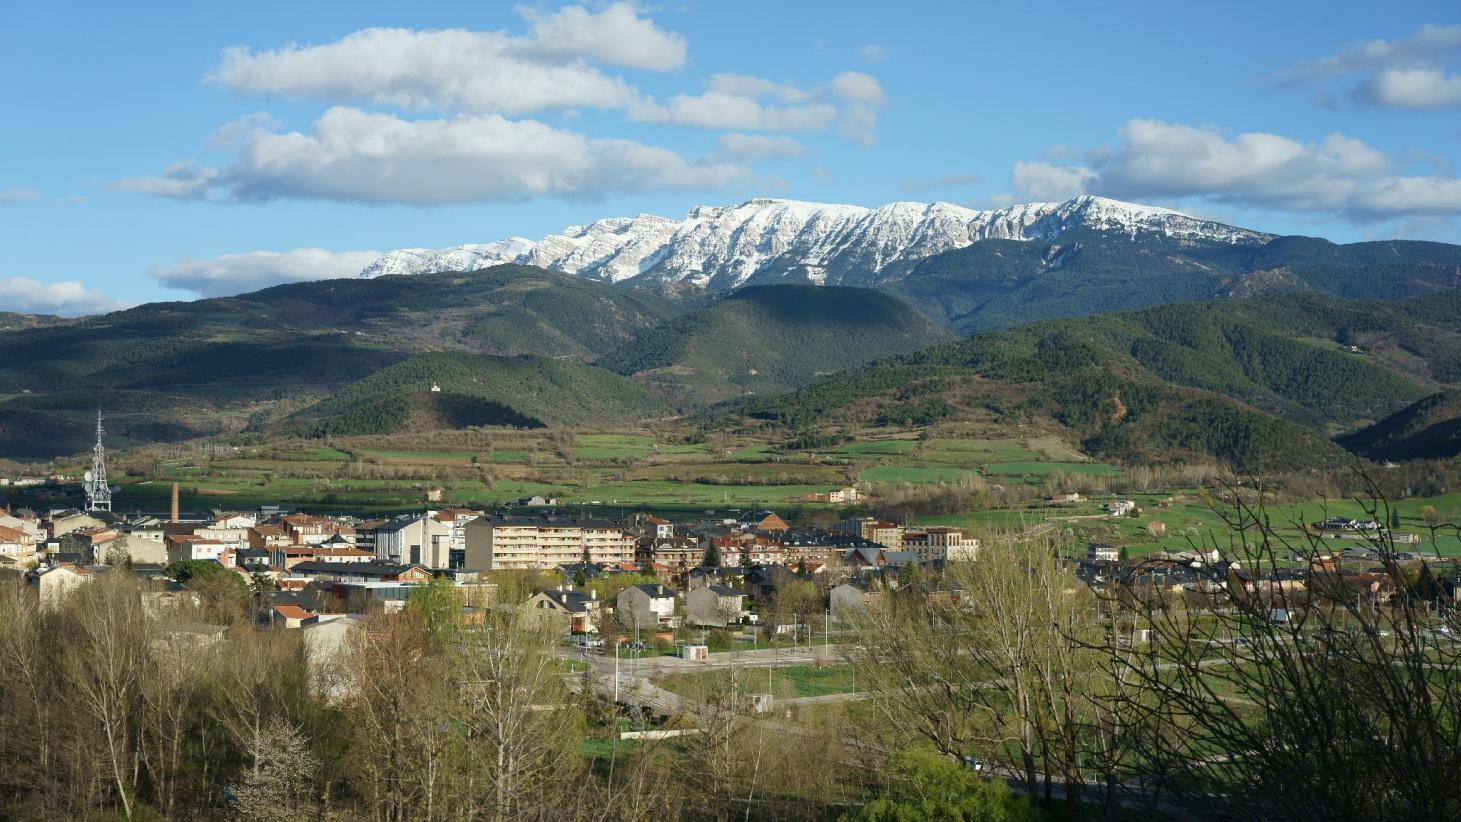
158, 151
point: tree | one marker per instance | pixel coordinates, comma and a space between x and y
712, 555
278, 786
1342, 708
438, 605
103, 663
923, 786
995, 673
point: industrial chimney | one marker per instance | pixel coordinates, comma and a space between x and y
174, 502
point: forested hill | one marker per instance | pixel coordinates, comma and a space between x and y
1260, 383
169, 371
769, 339
1000, 283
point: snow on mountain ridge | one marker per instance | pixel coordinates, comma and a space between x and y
723, 247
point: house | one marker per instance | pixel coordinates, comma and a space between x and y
190, 547
662, 528
1120, 507
17, 545
1068, 497
55, 583
293, 616
764, 522
648, 605
714, 606
1102, 552
74, 521
851, 598
570, 612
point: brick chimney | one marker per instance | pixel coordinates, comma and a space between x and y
174, 502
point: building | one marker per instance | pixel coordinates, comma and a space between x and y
851, 598
662, 528
941, 544
887, 534
416, 540
189, 547
714, 605
495, 542
646, 606
1102, 552
565, 611
1120, 507
55, 583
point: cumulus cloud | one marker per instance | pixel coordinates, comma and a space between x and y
718, 110
17, 194
616, 35
236, 273
749, 103
757, 146
1412, 88
353, 155
1414, 72
457, 69
68, 297
1158, 160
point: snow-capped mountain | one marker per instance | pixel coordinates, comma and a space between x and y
725, 247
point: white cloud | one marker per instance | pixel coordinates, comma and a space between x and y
873, 53
353, 155
17, 194
68, 297
182, 180
452, 69
236, 273
720, 111
737, 101
856, 87
1158, 160
616, 35
1410, 73
757, 146
1412, 88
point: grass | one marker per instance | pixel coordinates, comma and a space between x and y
904, 473
1094, 469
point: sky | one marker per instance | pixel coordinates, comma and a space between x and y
158, 151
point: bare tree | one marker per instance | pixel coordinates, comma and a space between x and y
103, 663
278, 787
1307, 691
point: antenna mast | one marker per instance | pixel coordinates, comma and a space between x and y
98, 493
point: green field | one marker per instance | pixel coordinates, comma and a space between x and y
900, 473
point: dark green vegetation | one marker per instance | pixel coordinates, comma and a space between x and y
1431, 428
999, 283
1262, 383
1258, 383
768, 339
169, 371
475, 389
10, 321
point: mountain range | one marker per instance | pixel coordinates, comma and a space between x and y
969, 269
1134, 332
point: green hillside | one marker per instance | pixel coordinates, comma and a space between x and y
526, 391
1001, 283
1259, 383
769, 339
167, 371
1429, 429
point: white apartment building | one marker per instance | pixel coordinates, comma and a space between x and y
503, 542
949, 544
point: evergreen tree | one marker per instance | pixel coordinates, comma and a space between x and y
712, 556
